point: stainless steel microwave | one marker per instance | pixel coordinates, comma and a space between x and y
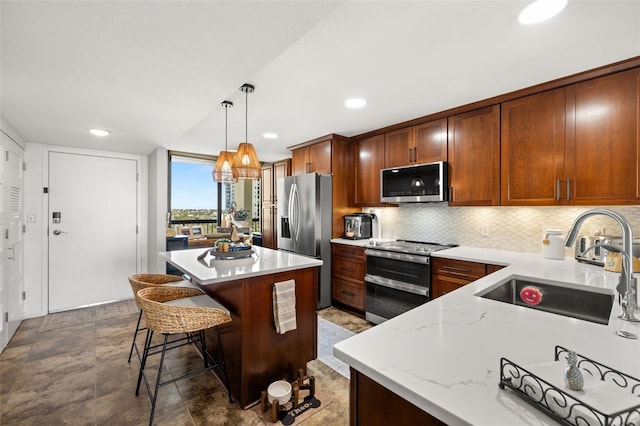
420, 183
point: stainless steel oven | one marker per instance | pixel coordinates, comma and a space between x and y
398, 277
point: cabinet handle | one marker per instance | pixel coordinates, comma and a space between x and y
558, 189
415, 155
348, 293
568, 189
451, 193
307, 167
347, 270
409, 159
453, 268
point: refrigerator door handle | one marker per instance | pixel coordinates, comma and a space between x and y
294, 212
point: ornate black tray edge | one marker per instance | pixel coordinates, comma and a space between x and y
544, 390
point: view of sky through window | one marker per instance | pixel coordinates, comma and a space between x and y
192, 186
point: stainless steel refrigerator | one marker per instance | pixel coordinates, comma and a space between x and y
304, 223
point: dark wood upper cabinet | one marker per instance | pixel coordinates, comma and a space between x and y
369, 160
398, 148
314, 158
331, 154
474, 157
267, 187
577, 145
532, 160
300, 161
602, 151
280, 169
269, 205
431, 141
424, 143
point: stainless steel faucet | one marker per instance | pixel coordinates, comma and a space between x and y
627, 286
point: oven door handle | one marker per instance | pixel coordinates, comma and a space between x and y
397, 285
398, 256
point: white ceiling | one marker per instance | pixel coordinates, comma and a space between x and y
154, 72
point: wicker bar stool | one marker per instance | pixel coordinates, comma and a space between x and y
140, 281
172, 310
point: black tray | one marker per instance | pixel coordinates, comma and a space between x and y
228, 255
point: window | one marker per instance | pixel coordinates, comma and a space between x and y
200, 207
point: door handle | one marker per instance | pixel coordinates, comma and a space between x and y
58, 232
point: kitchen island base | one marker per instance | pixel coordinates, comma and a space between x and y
372, 404
255, 353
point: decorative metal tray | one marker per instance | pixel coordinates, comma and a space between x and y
616, 388
227, 255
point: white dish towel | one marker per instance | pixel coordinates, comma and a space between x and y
284, 306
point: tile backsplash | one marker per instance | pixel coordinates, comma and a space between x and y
507, 228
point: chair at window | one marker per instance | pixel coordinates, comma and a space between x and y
140, 281
173, 310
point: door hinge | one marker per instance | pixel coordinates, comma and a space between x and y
6, 316
137, 176
45, 190
24, 295
136, 229
6, 233
24, 166
6, 156
24, 229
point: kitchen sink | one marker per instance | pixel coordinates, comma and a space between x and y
553, 297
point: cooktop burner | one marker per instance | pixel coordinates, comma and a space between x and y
411, 247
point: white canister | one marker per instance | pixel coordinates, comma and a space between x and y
553, 244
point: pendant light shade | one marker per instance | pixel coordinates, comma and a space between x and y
246, 164
223, 172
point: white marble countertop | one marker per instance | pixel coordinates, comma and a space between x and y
263, 261
444, 356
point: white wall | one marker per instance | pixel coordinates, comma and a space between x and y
507, 228
35, 258
158, 190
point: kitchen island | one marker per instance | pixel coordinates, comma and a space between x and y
255, 353
443, 358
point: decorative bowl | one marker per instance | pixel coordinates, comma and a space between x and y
280, 390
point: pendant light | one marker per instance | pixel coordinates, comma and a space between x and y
223, 172
246, 164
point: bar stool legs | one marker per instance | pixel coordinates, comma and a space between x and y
209, 364
135, 335
176, 310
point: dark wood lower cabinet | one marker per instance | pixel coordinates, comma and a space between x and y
371, 404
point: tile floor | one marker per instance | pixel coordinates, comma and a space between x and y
78, 375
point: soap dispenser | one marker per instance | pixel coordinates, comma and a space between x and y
553, 244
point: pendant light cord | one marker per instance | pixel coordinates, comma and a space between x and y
226, 113
246, 116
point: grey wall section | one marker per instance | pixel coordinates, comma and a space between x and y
158, 181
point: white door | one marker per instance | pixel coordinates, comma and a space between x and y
11, 214
93, 212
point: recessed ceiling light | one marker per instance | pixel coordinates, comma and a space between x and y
99, 132
355, 103
270, 135
541, 10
